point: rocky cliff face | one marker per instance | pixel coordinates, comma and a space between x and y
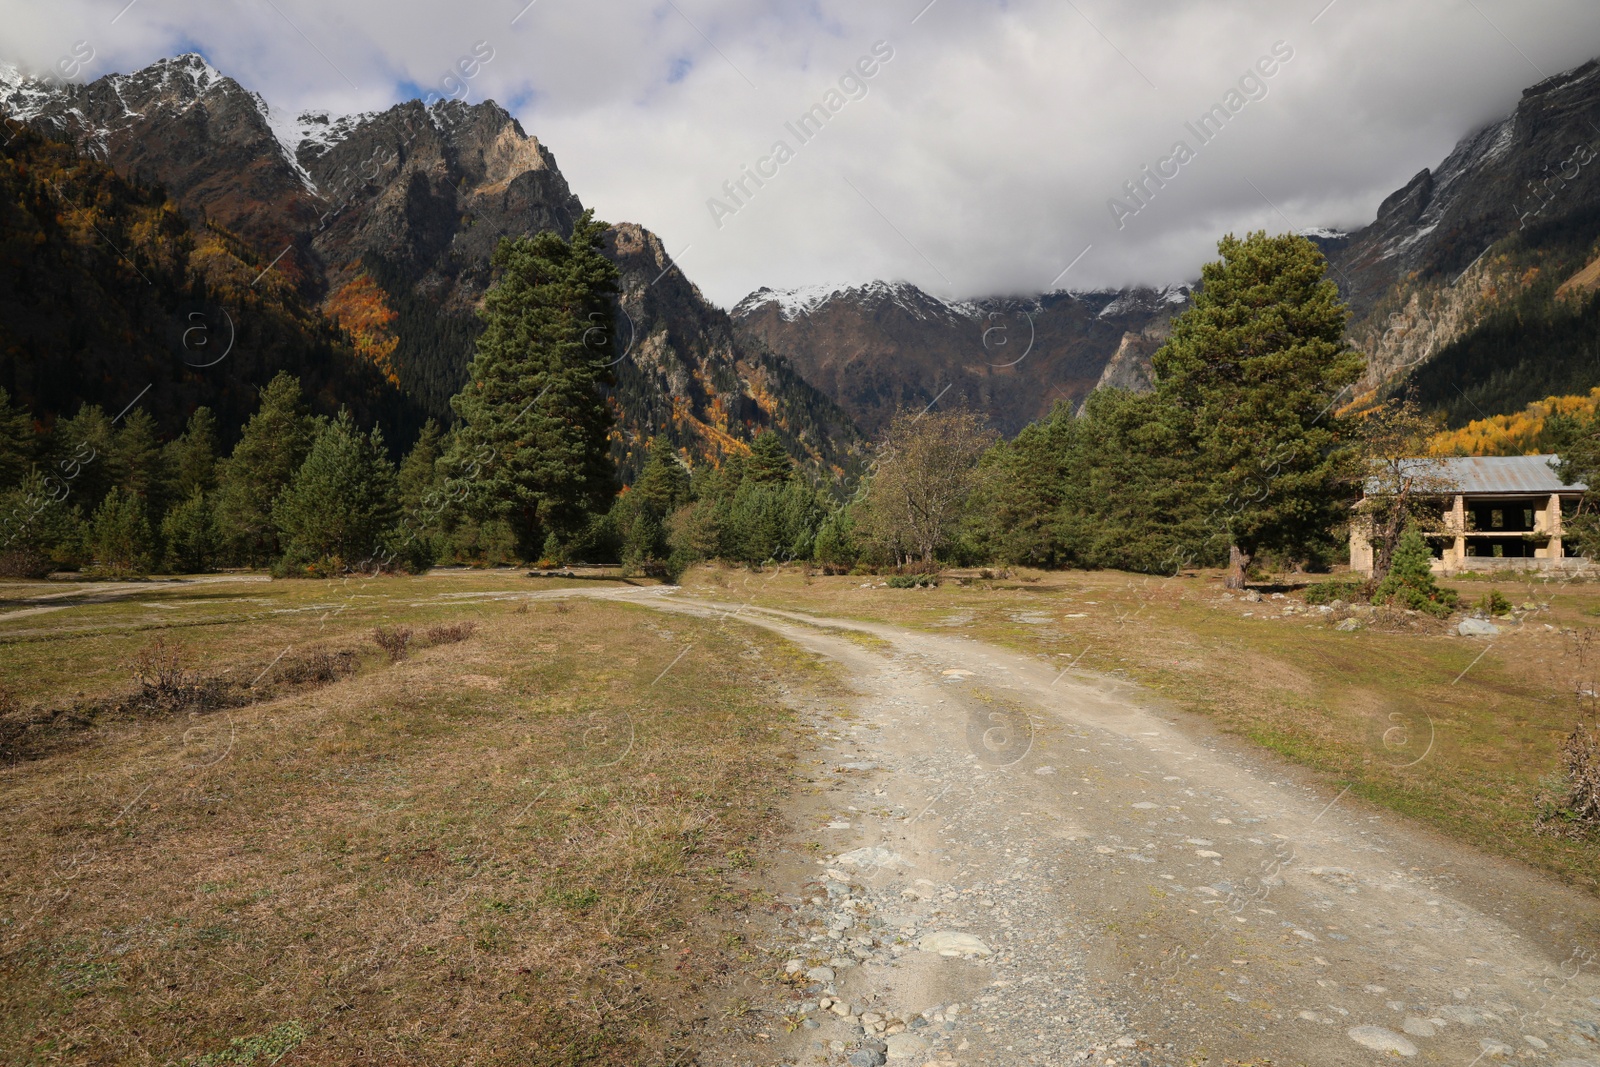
1444, 249
180, 123
877, 348
387, 220
1130, 367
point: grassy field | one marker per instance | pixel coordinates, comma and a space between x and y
524, 838
1462, 733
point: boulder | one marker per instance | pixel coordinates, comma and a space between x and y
1477, 628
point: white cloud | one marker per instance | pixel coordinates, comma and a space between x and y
983, 154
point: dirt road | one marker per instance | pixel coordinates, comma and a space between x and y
1025, 865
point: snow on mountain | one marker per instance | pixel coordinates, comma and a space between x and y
22, 97
291, 133
793, 303
1129, 301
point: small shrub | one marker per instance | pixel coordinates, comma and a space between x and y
313, 666
1410, 583
26, 562
396, 641
448, 633
1492, 603
1350, 590
912, 581
1575, 810
159, 670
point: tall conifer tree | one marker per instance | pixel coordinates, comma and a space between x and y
271, 450
1258, 365
533, 448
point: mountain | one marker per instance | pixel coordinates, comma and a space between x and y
108, 296
385, 222
883, 346
1459, 286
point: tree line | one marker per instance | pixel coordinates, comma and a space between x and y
1241, 455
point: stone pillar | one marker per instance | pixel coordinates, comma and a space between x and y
1360, 545
1458, 524
1552, 523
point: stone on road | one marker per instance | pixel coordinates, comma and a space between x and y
1379, 1039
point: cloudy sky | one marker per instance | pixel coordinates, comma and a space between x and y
979, 157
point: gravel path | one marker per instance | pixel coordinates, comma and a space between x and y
1022, 865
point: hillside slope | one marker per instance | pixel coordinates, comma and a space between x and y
386, 221
108, 295
1476, 246
884, 346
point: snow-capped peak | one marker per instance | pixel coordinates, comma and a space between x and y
201, 75
22, 96
291, 133
793, 303
1323, 233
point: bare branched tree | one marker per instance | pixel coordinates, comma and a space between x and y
1398, 490
927, 466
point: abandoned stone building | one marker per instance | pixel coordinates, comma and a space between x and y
1499, 513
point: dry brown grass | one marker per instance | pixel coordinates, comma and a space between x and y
448, 633
399, 866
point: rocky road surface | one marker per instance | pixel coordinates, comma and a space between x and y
1028, 865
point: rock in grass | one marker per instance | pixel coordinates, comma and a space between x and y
1477, 628
1380, 1040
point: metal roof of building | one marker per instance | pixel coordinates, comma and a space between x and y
1495, 474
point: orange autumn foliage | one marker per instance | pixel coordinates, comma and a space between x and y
360, 308
1519, 434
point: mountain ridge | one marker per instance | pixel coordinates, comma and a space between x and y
386, 220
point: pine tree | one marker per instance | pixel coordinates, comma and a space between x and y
272, 448
342, 503
189, 532
82, 449
419, 470
192, 458
1410, 581
40, 530
17, 443
769, 462
1021, 486
1258, 364
534, 423
137, 460
121, 534
664, 482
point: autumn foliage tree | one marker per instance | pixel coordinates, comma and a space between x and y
926, 469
